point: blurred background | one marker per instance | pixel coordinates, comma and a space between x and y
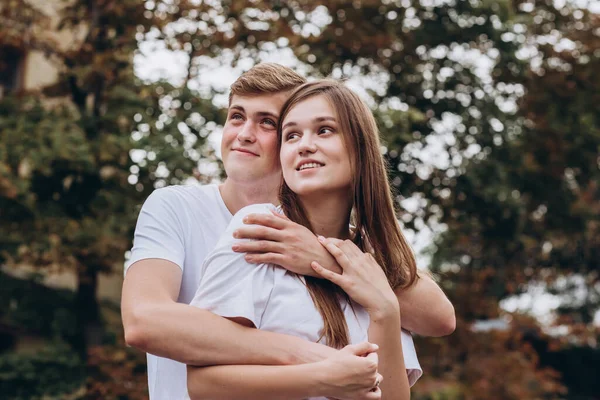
490, 116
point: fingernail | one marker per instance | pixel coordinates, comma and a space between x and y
235, 247
235, 234
321, 238
246, 220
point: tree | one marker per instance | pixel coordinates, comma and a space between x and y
69, 186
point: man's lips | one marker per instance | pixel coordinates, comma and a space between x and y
245, 151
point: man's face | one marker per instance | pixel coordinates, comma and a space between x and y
249, 144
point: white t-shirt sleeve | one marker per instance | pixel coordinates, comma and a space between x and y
229, 285
159, 232
413, 368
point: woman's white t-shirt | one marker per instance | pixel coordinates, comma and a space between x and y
272, 298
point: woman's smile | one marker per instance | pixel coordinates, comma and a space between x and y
313, 146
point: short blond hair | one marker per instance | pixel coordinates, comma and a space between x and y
266, 78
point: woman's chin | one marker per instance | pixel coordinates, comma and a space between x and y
308, 189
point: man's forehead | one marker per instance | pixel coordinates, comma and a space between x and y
262, 103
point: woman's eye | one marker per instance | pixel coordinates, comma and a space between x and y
326, 129
291, 136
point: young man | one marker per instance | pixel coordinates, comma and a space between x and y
178, 227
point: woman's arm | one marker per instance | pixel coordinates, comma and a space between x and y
365, 282
385, 331
350, 374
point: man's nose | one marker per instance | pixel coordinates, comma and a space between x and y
246, 133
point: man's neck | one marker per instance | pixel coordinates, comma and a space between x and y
237, 196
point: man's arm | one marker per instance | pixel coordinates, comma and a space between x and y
155, 323
425, 308
290, 382
350, 373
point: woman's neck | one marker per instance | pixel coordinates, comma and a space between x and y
329, 215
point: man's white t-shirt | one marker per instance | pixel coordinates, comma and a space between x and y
274, 299
181, 224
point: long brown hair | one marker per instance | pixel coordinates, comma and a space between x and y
373, 214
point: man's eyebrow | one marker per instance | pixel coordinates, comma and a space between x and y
318, 119
258, 113
267, 114
236, 107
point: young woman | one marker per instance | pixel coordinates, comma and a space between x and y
335, 184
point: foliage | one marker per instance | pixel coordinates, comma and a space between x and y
49, 373
117, 372
69, 187
27, 306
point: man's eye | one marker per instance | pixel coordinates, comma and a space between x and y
236, 116
269, 121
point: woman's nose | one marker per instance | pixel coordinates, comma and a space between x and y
307, 144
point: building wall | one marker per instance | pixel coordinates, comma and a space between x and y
40, 68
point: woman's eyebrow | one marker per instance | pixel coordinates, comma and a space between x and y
322, 119
317, 119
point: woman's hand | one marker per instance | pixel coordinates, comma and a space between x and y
361, 278
351, 374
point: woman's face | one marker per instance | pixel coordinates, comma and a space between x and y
313, 156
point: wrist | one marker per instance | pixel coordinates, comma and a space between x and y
322, 387
386, 311
309, 352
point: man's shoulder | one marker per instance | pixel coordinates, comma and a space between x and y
177, 194
187, 190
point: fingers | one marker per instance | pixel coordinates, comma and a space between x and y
332, 247
361, 349
373, 394
257, 232
378, 380
373, 357
350, 249
268, 220
327, 274
266, 258
279, 215
257, 246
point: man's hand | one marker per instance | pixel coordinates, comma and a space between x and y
352, 373
277, 240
